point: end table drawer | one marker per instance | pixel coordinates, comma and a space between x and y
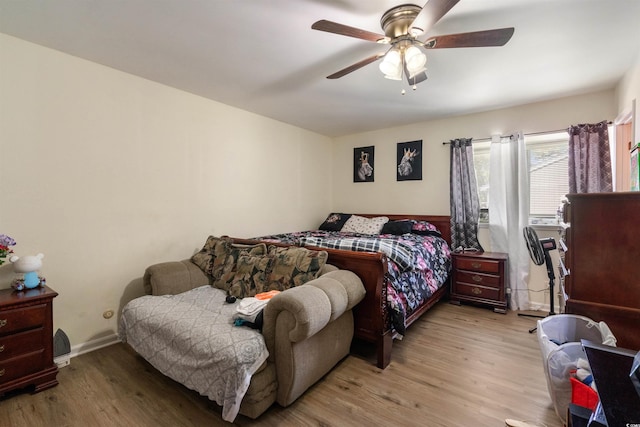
21, 366
482, 279
477, 264
477, 291
21, 343
22, 318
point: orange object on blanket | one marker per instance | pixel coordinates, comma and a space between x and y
267, 295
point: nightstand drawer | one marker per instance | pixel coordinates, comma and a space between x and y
480, 278
477, 264
473, 278
478, 291
21, 366
22, 318
21, 343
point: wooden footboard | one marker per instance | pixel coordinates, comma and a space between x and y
381, 333
371, 317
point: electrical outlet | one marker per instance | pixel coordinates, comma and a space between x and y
62, 361
108, 314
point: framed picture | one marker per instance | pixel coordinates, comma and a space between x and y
409, 155
363, 160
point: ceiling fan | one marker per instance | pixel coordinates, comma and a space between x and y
402, 25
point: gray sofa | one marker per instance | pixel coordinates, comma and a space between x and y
307, 329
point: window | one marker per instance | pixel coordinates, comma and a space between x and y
481, 165
548, 175
548, 156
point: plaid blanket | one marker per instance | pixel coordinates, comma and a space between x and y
395, 250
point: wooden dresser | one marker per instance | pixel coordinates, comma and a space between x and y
26, 339
480, 277
602, 261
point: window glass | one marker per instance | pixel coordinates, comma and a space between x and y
548, 158
481, 165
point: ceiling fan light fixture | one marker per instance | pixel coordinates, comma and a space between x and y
393, 76
415, 60
414, 73
391, 65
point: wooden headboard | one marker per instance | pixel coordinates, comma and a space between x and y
441, 222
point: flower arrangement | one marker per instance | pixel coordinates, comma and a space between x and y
5, 250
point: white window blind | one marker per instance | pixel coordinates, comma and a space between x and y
548, 175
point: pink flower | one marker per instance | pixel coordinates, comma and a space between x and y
5, 250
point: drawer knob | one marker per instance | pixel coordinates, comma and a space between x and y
1, 372
476, 291
3, 322
1, 348
476, 264
476, 278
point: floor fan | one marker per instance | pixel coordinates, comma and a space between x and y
539, 251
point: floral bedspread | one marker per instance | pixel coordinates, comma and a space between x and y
417, 265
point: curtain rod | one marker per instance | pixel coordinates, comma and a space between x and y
547, 132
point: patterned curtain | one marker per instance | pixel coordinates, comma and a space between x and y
589, 159
465, 205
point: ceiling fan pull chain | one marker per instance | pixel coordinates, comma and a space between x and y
402, 72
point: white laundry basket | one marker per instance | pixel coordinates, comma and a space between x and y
559, 338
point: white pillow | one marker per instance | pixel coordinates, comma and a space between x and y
360, 224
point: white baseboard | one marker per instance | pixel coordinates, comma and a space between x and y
86, 347
546, 308
535, 307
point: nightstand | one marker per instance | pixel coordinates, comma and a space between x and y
480, 277
26, 339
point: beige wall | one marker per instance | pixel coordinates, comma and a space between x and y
431, 195
106, 173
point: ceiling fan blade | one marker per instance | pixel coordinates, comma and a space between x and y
345, 30
431, 13
498, 37
355, 66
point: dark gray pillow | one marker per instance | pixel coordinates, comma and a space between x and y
397, 227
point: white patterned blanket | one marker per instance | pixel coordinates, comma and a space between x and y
190, 337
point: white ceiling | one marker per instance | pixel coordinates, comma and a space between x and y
263, 56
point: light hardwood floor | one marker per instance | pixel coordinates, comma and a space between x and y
457, 366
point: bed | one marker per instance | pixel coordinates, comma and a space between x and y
398, 291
